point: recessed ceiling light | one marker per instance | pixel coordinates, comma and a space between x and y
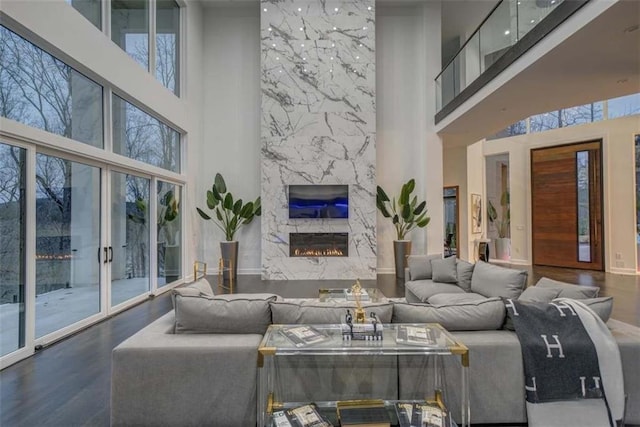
331, 58
264, 10
357, 57
305, 70
369, 8
533, 20
331, 71
277, 58
299, 9
364, 28
335, 28
507, 32
301, 44
333, 45
273, 45
304, 59
301, 29
553, 1
360, 45
270, 29
335, 9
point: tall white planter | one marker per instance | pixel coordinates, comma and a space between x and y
503, 248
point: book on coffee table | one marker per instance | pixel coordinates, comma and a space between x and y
303, 335
371, 413
301, 416
415, 335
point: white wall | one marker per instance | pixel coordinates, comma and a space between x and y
231, 125
406, 148
408, 43
618, 185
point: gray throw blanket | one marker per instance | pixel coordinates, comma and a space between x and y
573, 373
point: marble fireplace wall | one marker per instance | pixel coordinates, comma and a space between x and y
318, 127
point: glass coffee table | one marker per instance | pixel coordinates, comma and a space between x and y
345, 294
319, 369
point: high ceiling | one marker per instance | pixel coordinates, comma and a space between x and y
601, 60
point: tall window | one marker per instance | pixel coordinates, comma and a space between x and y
40, 91
67, 243
12, 241
130, 28
131, 31
142, 137
168, 44
169, 229
90, 9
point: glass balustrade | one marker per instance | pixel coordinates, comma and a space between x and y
507, 24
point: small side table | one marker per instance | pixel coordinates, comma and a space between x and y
482, 249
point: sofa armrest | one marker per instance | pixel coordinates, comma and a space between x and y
160, 378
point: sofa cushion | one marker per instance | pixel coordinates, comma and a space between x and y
420, 266
444, 270
495, 281
223, 314
312, 311
443, 299
568, 290
200, 287
464, 271
486, 314
424, 289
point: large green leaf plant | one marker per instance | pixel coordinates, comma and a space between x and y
503, 222
406, 213
229, 214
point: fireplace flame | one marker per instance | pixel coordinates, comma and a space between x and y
318, 252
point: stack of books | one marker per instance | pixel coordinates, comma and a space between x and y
301, 416
350, 296
363, 413
303, 335
422, 414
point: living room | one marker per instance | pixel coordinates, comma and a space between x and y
220, 118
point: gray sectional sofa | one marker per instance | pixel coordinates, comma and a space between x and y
197, 365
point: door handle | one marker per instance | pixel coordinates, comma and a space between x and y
105, 255
110, 253
99, 250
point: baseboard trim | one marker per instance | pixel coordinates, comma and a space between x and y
386, 270
626, 271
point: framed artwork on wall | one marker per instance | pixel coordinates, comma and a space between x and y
476, 213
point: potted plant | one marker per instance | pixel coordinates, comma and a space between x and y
230, 216
502, 223
168, 210
406, 214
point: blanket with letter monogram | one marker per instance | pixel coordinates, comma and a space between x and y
572, 368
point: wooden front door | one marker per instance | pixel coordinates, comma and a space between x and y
566, 200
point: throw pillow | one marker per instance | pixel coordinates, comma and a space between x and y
495, 281
444, 270
538, 294
312, 311
568, 290
464, 273
601, 306
420, 266
224, 314
486, 314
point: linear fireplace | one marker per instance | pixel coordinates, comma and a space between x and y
318, 244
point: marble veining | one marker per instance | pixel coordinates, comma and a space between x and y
318, 127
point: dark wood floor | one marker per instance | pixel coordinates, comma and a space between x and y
68, 383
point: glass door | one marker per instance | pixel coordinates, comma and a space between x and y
12, 248
129, 252
68, 249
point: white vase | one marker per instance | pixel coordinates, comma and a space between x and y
503, 248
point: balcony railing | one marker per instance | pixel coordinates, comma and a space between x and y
506, 25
